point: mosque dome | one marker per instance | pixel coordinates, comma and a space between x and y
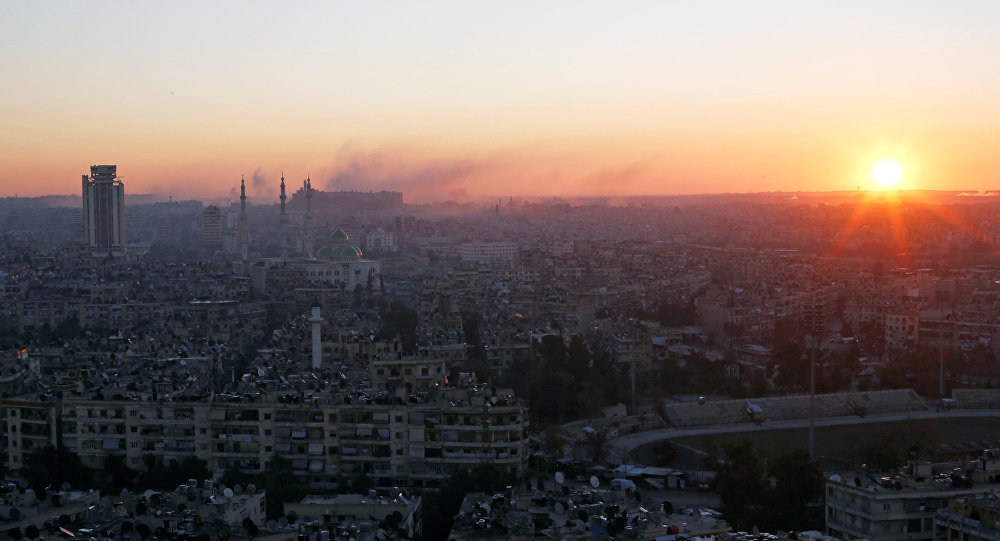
339, 237
342, 252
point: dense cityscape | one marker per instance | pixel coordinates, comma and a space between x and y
344, 364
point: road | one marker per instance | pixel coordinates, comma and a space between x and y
624, 445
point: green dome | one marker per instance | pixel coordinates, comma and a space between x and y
347, 252
339, 236
339, 252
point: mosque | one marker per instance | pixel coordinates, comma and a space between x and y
339, 263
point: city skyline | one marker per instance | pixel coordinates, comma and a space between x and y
450, 101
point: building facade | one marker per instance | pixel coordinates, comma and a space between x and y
212, 228
104, 210
902, 507
414, 442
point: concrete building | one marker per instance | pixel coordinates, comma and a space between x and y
901, 506
211, 228
487, 251
104, 210
416, 442
381, 241
972, 518
901, 330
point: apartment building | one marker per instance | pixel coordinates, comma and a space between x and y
902, 506
416, 442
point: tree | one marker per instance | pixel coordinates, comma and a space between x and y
748, 500
798, 481
439, 509
281, 484
51, 467
115, 475
400, 320
739, 481
161, 475
554, 440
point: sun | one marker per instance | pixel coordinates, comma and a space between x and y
887, 173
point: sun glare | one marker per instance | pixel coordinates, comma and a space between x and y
887, 173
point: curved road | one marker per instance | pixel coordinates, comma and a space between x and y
626, 444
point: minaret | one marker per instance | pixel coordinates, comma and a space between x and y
283, 224
243, 222
307, 240
317, 337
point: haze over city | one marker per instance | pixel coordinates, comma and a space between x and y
459, 101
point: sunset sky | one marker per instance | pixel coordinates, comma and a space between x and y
473, 99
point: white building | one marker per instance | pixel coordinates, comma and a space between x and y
380, 241
488, 251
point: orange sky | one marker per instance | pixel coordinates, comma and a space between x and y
449, 101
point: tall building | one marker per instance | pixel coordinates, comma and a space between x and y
211, 228
104, 210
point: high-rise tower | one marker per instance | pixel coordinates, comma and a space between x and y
104, 210
211, 228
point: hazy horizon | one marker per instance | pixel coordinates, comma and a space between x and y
452, 101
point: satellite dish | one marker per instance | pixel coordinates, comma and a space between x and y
486, 507
560, 508
493, 400
149, 492
238, 489
228, 493
835, 478
594, 481
560, 478
251, 488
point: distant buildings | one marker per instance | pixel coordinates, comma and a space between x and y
488, 251
104, 210
211, 228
